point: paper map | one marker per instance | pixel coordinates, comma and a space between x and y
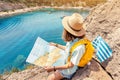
42, 54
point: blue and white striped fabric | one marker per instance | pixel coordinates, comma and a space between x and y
102, 48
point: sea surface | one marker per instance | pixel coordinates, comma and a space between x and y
19, 32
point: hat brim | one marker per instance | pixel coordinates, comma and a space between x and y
65, 25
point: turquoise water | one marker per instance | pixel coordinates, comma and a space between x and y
18, 34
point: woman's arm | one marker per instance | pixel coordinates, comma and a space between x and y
58, 45
53, 68
68, 65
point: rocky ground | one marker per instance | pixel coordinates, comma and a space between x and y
91, 72
8, 9
6, 6
103, 20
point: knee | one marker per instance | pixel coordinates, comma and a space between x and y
51, 77
55, 76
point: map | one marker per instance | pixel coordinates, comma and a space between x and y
42, 54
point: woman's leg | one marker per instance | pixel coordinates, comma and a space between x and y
55, 76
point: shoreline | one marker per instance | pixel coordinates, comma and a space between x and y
24, 10
18, 11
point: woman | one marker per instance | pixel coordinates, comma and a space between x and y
73, 32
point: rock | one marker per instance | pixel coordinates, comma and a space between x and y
36, 73
7, 6
92, 72
104, 20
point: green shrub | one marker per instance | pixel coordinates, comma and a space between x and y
1, 77
6, 72
29, 66
92, 3
15, 70
72, 3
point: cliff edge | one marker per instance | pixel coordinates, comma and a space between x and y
104, 20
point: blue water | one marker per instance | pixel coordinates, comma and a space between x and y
18, 34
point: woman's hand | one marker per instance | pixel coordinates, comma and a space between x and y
52, 44
57, 45
49, 68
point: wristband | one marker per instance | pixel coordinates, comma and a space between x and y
54, 68
56, 45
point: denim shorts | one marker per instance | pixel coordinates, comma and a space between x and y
67, 76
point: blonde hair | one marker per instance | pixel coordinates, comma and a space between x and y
66, 36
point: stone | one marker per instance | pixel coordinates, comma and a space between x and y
94, 71
104, 20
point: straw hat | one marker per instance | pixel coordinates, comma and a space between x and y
74, 24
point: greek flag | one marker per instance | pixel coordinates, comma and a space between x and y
102, 48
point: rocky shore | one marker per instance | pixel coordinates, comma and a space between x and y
24, 10
8, 9
19, 11
103, 20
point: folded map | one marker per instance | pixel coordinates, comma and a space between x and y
42, 54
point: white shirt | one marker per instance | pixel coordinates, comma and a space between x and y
76, 56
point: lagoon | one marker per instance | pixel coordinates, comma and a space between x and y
19, 32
